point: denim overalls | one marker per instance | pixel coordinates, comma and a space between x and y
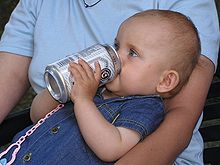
59, 141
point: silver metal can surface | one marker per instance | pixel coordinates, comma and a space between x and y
59, 80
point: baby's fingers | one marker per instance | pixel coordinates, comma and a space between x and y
97, 73
75, 71
88, 70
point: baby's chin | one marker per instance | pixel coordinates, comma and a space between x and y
113, 85
109, 86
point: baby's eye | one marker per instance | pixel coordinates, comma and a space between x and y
133, 53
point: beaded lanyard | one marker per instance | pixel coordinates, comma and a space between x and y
17, 144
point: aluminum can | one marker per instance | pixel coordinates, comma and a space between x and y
59, 80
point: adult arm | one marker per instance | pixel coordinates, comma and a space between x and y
13, 82
163, 146
18, 39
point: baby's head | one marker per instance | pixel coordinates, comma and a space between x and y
170, 40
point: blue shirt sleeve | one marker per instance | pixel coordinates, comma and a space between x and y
142, 115
18, 36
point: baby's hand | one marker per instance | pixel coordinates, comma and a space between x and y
86, 81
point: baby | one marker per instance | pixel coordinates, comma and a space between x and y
158, 50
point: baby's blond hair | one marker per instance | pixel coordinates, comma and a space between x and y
183, 40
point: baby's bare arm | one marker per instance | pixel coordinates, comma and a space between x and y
41, 105
108, 142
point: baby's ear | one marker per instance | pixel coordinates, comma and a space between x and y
168, 81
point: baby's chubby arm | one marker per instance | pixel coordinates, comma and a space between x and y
108, 142
41, 105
